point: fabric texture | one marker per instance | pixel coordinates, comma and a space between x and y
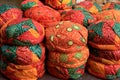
22, 63
68, 52
103, 40
91, 7
111, 5
111, 14
78, 16
9, 12
22, 32
60, 4
43, 14
27, 4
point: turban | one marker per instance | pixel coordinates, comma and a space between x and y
9, 12
43, 14
22, 63
68, 53
22, 32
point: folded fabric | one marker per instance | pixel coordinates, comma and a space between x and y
106, 54
67, 51
92, 7
66, 36
43, 14
22, 32
104, 71
22, 72
104, 60
23, 55
60, 4
111, 5
26, 4
65, 73
104, 35
9, 12
77, 16
111, 14
69, 60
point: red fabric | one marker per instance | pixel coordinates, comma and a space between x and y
44, 15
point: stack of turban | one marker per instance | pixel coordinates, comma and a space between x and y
68, 53
104, 42
39, 12
22, 53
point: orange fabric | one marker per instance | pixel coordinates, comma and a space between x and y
101, 70
43, 14
72, 61
23, 72
108, 15
58, 4
67, 51
57, 36
61, 72
34, 33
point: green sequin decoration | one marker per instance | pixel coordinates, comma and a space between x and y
63, 57
70, 43
61, 22
58, 35
78, 55
78, 47
52, 38
57, 26
83, 40
69, 29
76, 27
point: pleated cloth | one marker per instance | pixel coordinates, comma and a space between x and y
60, 4
68, 53
22, 32
78, 16
104, 40
111, 14
111, 5
92, 7
43, 14
9, 12
22, 63
27, 4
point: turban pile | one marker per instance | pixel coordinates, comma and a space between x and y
68, 53
22, 53
104, 42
